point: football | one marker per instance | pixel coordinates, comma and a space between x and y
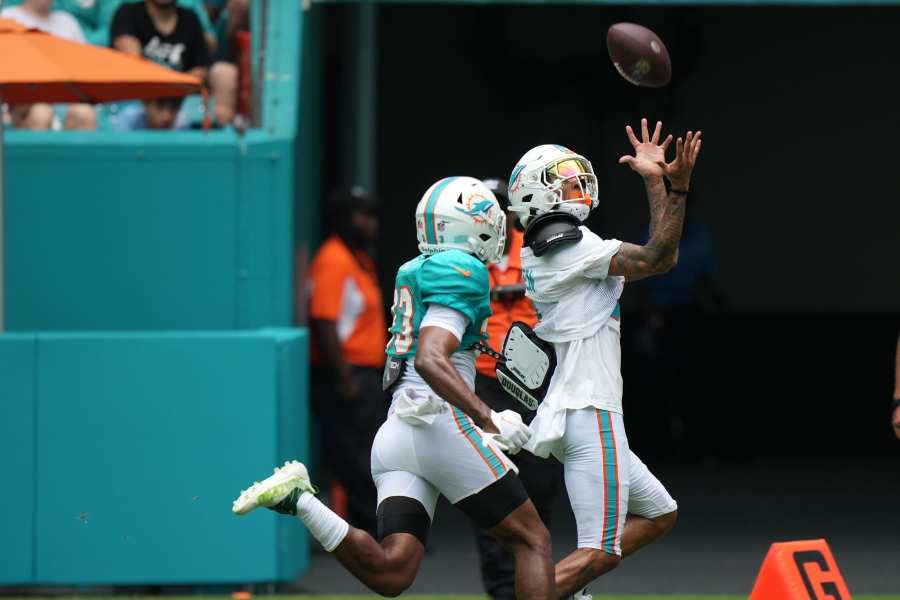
639, 55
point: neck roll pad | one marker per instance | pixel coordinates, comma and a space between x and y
550, 230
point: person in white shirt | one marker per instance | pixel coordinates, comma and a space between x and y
38, 14
575, 279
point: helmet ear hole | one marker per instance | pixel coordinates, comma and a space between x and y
484, 237
527, 198
459, 200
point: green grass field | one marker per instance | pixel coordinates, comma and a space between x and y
598, 597
410, 597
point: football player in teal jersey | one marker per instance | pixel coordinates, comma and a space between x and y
439, 437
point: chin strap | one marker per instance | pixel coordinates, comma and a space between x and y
551, 229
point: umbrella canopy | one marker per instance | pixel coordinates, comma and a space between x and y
38, 67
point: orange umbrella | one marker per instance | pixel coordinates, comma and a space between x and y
37, 67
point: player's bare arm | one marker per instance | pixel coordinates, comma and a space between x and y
667, 210
432, 362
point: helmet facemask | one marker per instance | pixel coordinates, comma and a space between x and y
495, 252
573, 183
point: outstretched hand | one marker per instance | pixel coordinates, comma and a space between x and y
649, 158
686, 152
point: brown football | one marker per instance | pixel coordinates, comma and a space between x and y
639, 55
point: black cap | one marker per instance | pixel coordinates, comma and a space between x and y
343, 202
498, 186
352, 199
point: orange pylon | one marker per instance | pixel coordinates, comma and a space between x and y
803, 570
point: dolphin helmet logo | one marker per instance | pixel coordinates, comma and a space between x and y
480, 209
514, 178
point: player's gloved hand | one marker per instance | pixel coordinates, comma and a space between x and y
513, 432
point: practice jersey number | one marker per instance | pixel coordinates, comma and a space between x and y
402, 310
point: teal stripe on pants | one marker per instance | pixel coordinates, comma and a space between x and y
471, 433
610, 467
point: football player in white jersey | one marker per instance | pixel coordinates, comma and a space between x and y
575, 279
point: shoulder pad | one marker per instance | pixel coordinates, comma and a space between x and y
550, 230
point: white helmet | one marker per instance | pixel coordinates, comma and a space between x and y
461, 213
536, 183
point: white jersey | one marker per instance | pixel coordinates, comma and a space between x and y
570, 289
577, 304
580, 420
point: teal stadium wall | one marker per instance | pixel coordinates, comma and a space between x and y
164, 230
149, 371
148, 230
125, 451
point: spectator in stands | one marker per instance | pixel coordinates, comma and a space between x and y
37, 14
95, 17
228, 18
540, 476
159, 114
346, 317
173, 36
88, 14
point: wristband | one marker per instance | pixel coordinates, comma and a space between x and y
680, 192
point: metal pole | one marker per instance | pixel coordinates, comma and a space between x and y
2, 212
2, 227
258, 19
360, 110
366, 118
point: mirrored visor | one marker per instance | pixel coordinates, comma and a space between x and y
576, 180
566, 168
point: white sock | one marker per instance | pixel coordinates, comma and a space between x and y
324, 525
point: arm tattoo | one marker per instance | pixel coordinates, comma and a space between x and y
656, 196
666, 223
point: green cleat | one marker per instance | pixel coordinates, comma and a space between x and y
278, 492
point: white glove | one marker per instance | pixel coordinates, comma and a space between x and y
513, 432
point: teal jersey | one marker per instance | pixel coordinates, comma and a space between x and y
451, 278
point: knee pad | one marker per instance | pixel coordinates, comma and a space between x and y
399, 514
494, 503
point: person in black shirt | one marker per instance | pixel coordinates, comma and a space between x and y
162, 31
